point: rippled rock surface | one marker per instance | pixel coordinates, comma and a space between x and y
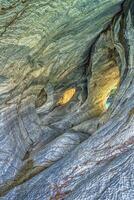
67, 100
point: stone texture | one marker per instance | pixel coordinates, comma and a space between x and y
59, 62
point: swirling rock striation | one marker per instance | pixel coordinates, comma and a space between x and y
67, 100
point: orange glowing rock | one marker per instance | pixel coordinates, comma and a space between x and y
67, 96
101, 85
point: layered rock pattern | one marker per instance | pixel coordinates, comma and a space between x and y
60, 135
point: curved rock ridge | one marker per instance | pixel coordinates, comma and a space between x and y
67, 100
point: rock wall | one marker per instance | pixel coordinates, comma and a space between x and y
62, 135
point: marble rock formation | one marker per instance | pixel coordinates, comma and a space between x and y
67, 100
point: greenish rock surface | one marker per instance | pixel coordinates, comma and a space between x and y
62, 135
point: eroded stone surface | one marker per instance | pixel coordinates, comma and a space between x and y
57, 144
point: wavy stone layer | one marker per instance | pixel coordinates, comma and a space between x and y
59, 63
